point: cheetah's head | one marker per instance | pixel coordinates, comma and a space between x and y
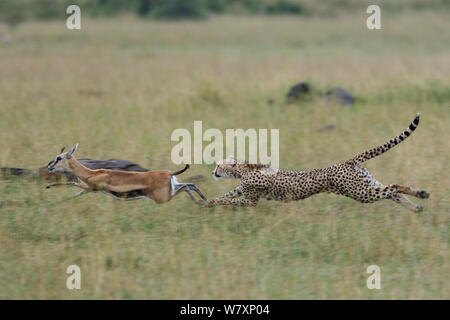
226, 169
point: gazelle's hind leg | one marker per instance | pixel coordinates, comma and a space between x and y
191, 195
193, 187
188, 187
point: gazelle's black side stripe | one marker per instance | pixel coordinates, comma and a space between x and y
393, 142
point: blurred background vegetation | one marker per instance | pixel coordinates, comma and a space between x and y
13, 12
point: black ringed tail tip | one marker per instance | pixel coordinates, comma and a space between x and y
415, 123
393, 142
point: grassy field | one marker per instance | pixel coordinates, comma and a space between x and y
120, 87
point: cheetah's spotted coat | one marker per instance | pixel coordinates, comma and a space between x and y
350, 179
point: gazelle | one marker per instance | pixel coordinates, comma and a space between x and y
158, 185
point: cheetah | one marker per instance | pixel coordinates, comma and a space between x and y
349, 179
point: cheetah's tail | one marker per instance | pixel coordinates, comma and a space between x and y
369, 154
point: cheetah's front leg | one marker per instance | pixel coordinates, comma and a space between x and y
236, 192
229, 198
244, 202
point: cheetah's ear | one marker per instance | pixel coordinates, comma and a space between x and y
232, 160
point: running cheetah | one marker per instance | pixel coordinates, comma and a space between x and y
350, 179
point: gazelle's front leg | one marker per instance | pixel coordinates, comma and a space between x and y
81, 185
71, 183
79, 194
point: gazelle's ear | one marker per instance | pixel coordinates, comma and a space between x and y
69, 154
62, 149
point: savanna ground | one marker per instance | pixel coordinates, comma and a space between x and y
120, 87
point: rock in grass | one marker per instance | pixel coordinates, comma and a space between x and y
328, 127
297, 92
341, 96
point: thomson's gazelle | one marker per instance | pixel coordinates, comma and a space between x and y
158, 185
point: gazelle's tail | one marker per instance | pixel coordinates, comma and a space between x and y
181, 171
369, 154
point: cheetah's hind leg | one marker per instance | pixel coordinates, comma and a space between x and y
422, 194
404, 201
396, 193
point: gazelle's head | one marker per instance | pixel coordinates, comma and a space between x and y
61, 162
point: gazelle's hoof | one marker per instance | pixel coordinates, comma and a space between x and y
47, 186
423, 194
419, 208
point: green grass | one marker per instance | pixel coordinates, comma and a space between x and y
120, 87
